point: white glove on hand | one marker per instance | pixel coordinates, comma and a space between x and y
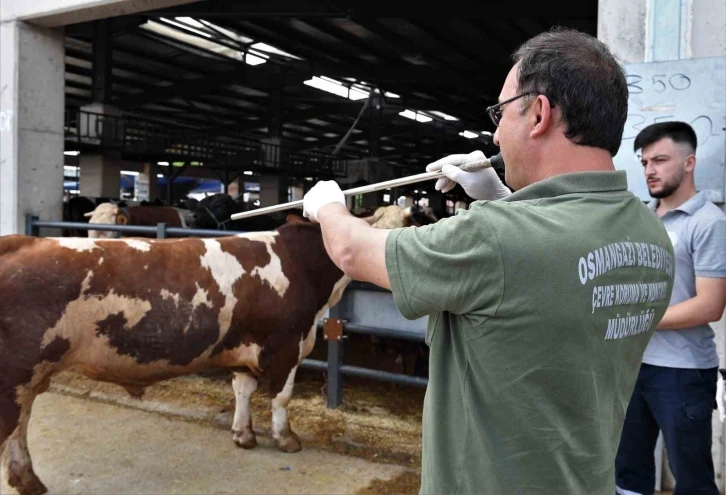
720, 389
480, 184
322, 193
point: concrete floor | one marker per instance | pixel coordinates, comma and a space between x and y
84, 447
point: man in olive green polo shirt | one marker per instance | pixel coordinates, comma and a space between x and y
540, 304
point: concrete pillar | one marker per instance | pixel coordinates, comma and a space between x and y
621, 25
150, 171
298, 190
102, 61
652, 30
234, 188
273, 190
31, 124
404, 201
145, 187
100, 176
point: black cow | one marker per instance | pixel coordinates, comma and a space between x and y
214, 212
74, 210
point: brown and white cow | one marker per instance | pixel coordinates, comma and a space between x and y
150, 216
137, 311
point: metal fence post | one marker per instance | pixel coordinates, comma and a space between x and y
161, 230
31, 229
333, 333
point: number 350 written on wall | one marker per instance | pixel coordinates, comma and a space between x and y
658, 83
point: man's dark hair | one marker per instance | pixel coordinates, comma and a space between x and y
580, 75
679, 132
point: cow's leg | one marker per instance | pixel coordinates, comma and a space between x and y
16, 463
287, 440
244, 385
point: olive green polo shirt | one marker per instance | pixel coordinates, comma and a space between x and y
540, 307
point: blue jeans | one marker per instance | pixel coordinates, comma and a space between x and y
680, 403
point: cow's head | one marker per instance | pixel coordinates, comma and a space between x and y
214, 211
105, 213
390, 217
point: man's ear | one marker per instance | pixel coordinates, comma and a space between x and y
544, 116
690, 163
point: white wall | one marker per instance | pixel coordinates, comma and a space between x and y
634, 30
31, 109
54, 13
708, 28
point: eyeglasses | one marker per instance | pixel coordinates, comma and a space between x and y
495, 111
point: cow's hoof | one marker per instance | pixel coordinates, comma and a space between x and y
245, 439
289, 443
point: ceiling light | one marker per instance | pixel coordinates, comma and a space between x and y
357, 94
72, 153
469, 134
254, 59
190, 21
409, 114
391, 95
423, 118
264, 47
443, 115
165, 164
247, 172
185, 27
326, 84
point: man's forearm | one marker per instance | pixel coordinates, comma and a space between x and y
337, 225
354, 246
688, 314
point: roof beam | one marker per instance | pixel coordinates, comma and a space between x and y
245, 76
317, 111
341, 34
320, 8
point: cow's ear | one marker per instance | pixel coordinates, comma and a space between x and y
122, 219
88, 215
292, 218
408, 212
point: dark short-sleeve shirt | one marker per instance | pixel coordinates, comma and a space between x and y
540, 307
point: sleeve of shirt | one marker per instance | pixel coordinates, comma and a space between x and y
709, 250
452, 265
